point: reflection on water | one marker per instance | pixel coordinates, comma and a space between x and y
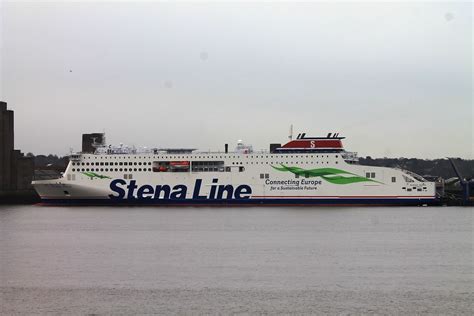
235, 260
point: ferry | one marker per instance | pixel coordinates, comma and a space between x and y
304, 171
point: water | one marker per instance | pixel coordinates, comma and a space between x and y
104, 260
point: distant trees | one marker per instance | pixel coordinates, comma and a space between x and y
52, 162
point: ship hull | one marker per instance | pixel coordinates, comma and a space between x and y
395, 201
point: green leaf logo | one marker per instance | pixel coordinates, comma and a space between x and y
332, 175
93, 175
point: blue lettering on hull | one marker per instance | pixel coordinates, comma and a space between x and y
123, 191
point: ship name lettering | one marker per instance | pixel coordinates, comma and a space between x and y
122, 190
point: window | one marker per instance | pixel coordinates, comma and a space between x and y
262, 176
267, 176
394, 179
372, 175
367, 175
207, 166
241, 169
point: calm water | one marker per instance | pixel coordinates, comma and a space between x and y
59, 260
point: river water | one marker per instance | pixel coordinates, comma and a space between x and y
145, 260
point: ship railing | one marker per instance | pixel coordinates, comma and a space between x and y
350, 156
413, 175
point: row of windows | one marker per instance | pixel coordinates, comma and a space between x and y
110, 169
125, 163
415, 189
284, 162
149, 163
201, 169
212, 157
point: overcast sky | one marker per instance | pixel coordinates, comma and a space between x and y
395, 79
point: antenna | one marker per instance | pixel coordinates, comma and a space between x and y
291, 132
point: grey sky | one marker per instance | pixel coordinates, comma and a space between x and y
396, 79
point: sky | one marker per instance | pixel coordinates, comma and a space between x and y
394, 78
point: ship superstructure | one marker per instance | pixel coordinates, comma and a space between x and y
304, 171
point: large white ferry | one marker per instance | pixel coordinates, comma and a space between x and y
304, 171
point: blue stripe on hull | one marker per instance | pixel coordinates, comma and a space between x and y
243, 202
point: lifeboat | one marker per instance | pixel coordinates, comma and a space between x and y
179, 164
